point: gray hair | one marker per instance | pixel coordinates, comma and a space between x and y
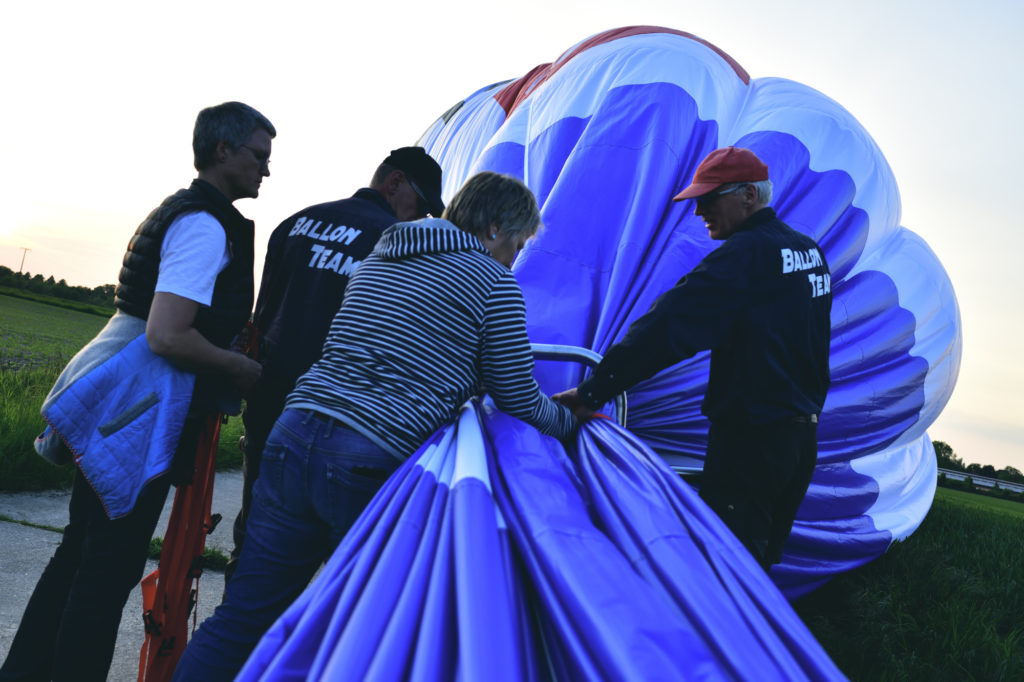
489, 199
230, 122
763, 188
381, 174
764, 191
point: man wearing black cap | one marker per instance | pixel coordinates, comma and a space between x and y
761, 303
310, 257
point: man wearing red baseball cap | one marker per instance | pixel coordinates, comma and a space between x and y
760, 303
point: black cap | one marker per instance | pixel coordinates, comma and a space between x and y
424, 171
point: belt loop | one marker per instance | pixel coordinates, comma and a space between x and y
330, 426
309, 416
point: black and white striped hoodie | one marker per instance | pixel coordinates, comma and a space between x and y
429, 320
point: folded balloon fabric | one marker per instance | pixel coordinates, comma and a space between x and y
613, 128
498, 553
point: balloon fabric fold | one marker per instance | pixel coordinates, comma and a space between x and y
498, 553
605, 136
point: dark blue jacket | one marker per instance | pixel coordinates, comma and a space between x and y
310, 257
761, 303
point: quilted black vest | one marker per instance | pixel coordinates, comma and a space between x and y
233, 291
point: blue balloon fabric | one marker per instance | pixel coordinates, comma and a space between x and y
614, 128
498, 553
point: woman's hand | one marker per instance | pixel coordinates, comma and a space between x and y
571, 399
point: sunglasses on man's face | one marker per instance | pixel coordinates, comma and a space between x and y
705, 200
262, 157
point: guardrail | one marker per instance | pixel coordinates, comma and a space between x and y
554, 351
686, 466
982, 481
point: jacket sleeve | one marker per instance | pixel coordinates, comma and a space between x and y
506, 363
696, 314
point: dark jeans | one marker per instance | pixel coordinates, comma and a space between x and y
70, 624
316, 478
262, 409
755, 476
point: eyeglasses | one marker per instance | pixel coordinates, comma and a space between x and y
705, 200
422, 205
262, 157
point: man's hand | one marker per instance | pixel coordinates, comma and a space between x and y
246, 374
571, 399
171, 335
247, 341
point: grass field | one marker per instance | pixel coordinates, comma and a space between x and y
104, 311
946, 604
37, 335
36, 341
982, 502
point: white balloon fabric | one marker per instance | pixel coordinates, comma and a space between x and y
614, 128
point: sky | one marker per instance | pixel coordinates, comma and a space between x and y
100, 99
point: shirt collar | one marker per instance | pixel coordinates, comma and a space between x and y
376, 197
759, 217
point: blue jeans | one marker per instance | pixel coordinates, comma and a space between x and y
316, 477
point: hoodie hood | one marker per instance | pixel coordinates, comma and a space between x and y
429, 235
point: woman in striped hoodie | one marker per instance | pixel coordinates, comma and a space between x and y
432, 318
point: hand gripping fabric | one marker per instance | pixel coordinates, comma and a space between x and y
605, 136
495, 553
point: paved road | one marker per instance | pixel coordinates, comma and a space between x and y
25, 550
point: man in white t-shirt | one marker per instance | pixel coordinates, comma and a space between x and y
186, 288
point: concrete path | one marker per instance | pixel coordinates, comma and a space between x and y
25, 551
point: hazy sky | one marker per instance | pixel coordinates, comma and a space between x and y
100, 98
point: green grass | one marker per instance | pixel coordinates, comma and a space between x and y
22, 469
22, 392
946, 604
228, 454
981, 502
37, 335
104, 311
36, 341
213, 559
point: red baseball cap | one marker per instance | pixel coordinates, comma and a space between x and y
728, 164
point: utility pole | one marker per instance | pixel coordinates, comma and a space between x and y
24, 250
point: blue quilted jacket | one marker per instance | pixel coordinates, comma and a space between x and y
121, 420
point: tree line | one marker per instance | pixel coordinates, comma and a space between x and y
949, 460
103, 295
